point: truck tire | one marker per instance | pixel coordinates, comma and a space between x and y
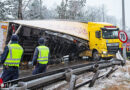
96, 56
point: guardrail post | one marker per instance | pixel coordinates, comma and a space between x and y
19, 86
72, 82
94, 79
95, 76
68, 74
111, 71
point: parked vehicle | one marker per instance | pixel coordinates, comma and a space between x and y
128, 49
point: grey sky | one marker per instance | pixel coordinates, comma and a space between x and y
113, 7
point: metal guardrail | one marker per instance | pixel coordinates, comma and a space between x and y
44, 79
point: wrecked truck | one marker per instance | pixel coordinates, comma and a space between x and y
64, 38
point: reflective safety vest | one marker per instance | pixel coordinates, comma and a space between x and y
14, 55
43, 54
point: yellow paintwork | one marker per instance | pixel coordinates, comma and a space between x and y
96, 43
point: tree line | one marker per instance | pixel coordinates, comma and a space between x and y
67, 9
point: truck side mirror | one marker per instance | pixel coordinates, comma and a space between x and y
98, 34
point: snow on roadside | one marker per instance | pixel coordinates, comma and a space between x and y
119, 80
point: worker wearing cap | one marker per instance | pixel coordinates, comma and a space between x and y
40, 58
10, 59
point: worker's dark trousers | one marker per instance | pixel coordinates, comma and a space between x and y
40, 68
10, 73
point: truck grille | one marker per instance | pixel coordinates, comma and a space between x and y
112, 49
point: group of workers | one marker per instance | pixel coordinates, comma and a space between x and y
13, 54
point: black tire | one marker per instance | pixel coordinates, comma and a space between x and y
96, 56
90, 58
71, 57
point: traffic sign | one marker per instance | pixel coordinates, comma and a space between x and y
122, 36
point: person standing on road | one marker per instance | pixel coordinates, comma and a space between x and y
40, 58
10, 59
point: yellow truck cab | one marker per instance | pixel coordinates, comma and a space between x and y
103, 40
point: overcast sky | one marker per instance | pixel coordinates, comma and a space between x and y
113, 6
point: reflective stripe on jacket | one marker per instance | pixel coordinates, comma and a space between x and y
43, 54
14, 55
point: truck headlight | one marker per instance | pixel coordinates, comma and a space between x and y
104, 52
109, 44
112, 44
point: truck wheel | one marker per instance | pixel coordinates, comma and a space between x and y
96, 56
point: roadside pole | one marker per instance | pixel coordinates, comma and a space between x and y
123, 26
122, 35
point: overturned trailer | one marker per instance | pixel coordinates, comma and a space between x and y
60, 37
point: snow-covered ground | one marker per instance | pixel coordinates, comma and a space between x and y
119, 80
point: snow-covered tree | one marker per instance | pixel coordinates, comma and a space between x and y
61, 10
11, 7
36, 10
76, 8
71, 9
2, 11
98, 14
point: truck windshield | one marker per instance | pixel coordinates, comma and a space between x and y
110, 34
